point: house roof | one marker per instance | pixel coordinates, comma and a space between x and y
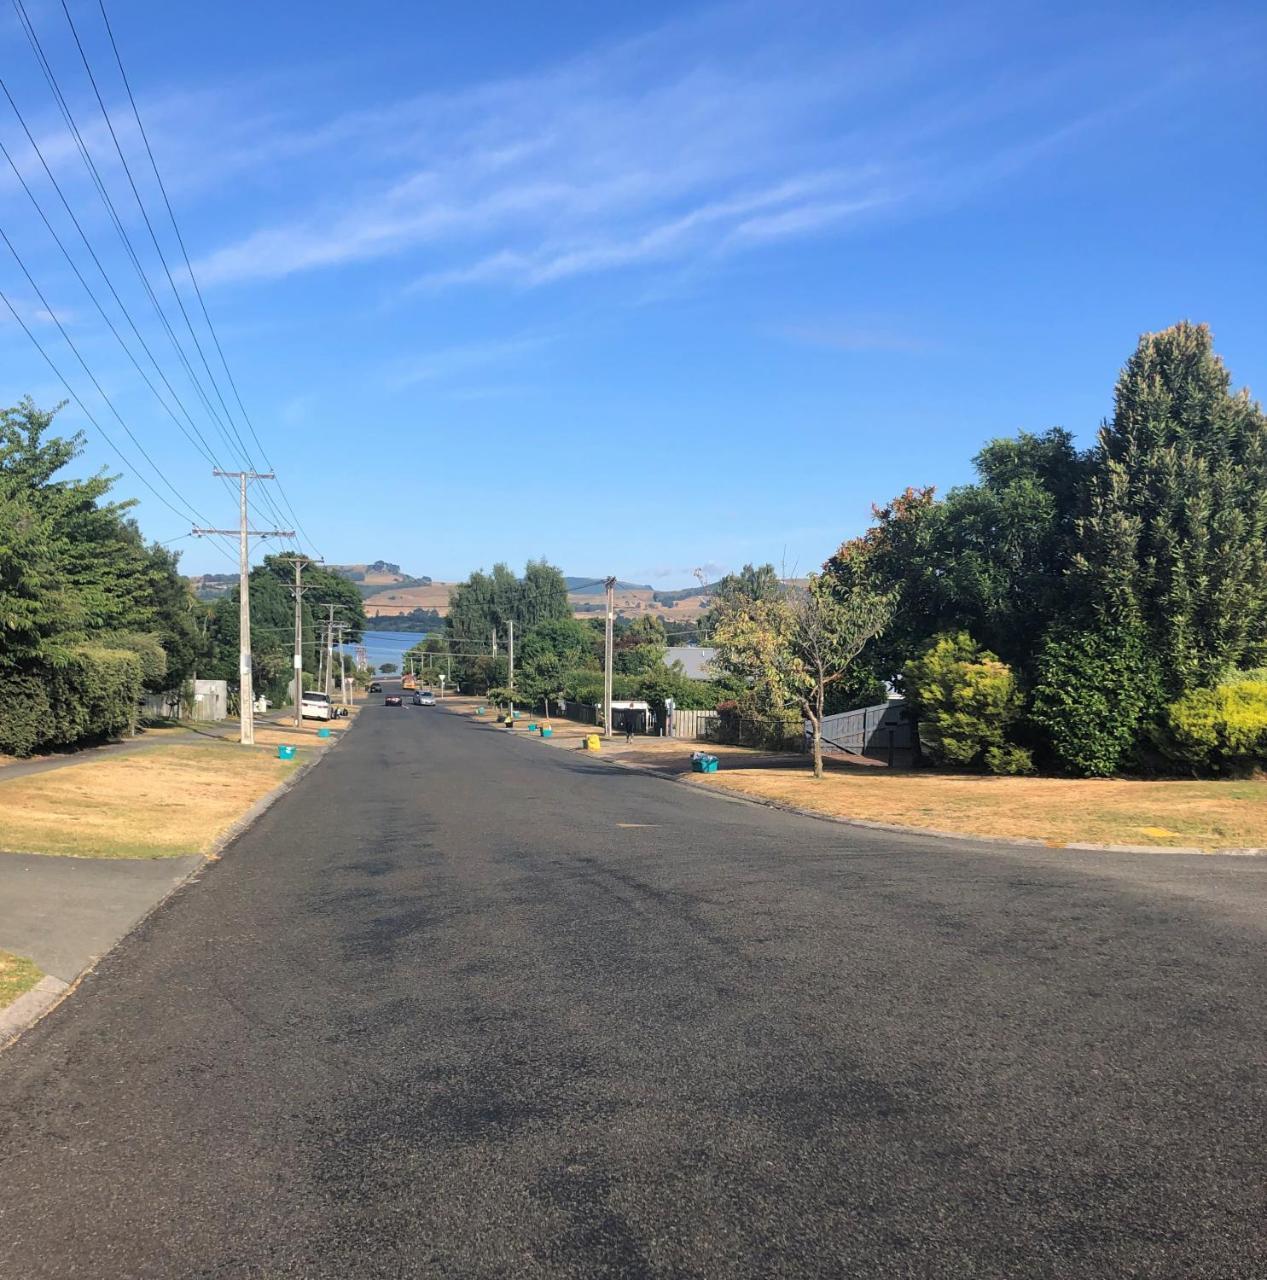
694, 659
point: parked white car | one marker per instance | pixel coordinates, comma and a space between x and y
315, 706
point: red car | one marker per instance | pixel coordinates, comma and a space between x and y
392, 700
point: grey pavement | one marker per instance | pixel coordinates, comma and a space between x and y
63, 913
47, 764
462, 1006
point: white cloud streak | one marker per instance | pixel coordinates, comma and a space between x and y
715, 135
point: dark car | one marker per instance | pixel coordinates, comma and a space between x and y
375, 687
392, 700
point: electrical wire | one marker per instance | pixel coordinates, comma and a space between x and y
180, 239
206, 447
105, 435
162, 257
103, 193
194, 440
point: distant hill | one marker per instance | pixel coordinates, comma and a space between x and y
673, 597
211, 586
381, 573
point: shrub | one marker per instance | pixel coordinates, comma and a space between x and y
1222, 730
93, 694
25, 713
1009, 759
966, 700
687, 693
149, 649
1094, 690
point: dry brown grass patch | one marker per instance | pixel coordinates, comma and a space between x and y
1209, 815
151, 804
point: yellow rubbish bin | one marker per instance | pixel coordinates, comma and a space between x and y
592, 742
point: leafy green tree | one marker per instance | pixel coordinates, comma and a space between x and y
88, 611
991, 558
388, 668
797, 646
639, 645
752, 582
484, 604
1096, 685
1175, 533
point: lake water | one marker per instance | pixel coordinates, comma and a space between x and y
387, 646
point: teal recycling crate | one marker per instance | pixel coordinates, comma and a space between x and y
323, 733
702, 762
532, 726
546, 731
479, 711
285, 752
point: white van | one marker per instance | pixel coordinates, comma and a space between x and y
315, 706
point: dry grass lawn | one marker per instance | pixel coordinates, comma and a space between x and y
151, 804
1210, 815
17, 976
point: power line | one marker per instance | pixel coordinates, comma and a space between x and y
149, 226
116, 220
197, 442
105, 435
180, 239
105, 276
162, 257
104, 195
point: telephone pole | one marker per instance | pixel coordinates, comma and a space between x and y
343, 671
246, 683
329, 649
608, 646
300, 563
510, 658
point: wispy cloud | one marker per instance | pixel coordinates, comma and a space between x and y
718, 134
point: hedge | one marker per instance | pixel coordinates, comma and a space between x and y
94, 694
1222, 730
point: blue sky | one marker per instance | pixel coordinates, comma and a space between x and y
636, 287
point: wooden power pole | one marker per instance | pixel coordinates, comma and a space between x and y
300, 563
246, 682
608, 647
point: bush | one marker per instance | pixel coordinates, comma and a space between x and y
688, 694
149, 649
1094, 689
1222, 730
966, 700
25, 713
1009, 759
94, 694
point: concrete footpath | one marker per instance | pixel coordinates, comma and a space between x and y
65, 913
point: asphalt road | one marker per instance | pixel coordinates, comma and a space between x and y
467, 1006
